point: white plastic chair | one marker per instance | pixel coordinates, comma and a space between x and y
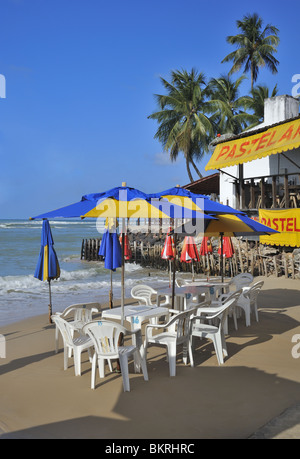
75, 345
176, 333
248, 301
241, 280
82, 313
215, 333
106, 337
145, 294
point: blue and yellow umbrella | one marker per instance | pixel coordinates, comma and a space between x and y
47, 267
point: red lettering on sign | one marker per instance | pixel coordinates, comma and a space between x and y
270, 141
226, 148
262, 141
296, 133
295, 226
231, 154
275, 220
287, 134
243, 150
282, 223
289, 224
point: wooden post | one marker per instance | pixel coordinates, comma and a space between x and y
285, 265
286, 191
274, 204
252, 194
240, 256
275, 266
263, 193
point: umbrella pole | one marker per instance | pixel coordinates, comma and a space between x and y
221, 261
174, 270
123, 271
50, 302
111, 292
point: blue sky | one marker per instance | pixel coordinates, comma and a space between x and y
80, 79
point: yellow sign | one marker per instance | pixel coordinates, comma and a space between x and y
286, 221
274, 140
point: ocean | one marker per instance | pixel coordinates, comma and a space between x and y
23, 296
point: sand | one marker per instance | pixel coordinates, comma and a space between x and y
253, 395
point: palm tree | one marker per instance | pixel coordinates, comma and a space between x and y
183, 124
256, 103
255, 47
229, 116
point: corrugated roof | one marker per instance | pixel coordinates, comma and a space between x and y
205, 185
252, 132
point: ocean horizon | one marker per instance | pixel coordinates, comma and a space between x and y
23, 296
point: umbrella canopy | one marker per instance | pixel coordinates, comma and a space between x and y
111, 251
127, 249
168, 251
47, 267
197, 202
189, 250
205, 247
125, 202
228, 249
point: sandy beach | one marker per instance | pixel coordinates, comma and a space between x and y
258, 382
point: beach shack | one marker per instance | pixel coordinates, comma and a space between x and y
259, 170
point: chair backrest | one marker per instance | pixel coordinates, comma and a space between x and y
180, 282
222, 311
143, 293
181, 324
82, 311
64, 328
254, 290
242, 280
105, 335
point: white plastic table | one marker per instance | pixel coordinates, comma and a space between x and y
135, 315
184, 293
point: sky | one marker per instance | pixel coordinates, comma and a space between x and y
80, 82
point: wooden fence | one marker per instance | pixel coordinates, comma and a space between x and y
254, 259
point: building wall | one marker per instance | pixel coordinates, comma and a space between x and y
277, 109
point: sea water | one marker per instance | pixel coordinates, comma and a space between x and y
23, 296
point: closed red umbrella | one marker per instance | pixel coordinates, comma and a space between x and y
127, 249
189, 252
168, 252
228, 249
205, 246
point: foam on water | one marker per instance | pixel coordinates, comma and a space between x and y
22, 296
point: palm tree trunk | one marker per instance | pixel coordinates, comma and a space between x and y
196, 168
187, 161
252, 74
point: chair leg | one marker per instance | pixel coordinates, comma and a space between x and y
93, 375
66, 356
101, 367
142, 364
77, 361
124, 369
171, 349
218, 348
191, 352
56, 339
